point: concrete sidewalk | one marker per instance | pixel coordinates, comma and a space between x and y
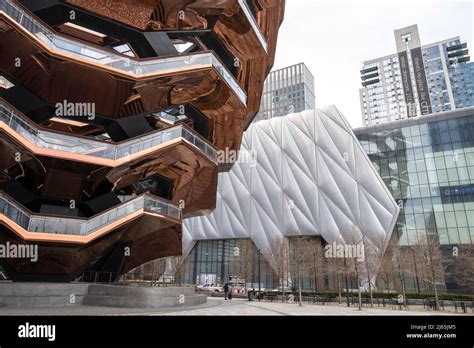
220, 307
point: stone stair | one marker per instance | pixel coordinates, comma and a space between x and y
77, 294
142, 297
42, 294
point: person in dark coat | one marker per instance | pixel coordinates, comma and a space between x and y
251, 294
226, 290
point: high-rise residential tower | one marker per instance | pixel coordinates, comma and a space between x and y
286, 91
416, 80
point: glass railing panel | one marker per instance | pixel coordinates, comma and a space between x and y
171, 133
188, 136
72, 144
156, 140
77, 226
56, 225
155, 207
169, 116
162, 207
4, 83
68, 143
174, 212
229, 78
143, 143
17, 124
253, 22
211, 152
201, 144
76, 49
14, 213
5, 117
23, 128
10, 10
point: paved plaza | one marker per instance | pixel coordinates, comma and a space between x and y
220, 307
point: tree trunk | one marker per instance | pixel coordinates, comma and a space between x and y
360, 296
347, 283
387, 287
417, 282
370, 284
358, 284
315, 275
402, 279
370, 281
299, 291
433, 275
371, 295
339, 287
436, 298
282, 290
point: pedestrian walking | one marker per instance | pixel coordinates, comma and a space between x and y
226, 290
250, 294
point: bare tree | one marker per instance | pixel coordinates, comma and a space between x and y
342, 266
400, 265
277, 256
335, 266
301, 260
152, 270
244, 260
175, 265
356, 246
458, 264
385, 260
411, 254
371, 265
357, 274
430, 259
317, 267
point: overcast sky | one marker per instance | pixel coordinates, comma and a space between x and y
333, 37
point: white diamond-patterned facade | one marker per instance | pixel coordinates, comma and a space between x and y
304, 174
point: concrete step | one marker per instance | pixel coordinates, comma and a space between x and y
60, 295
138, 291
144, 302
40, 301
42, 294
42, 289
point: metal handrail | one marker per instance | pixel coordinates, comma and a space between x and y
83, 226
253, 23
98, 148
4, 83
118, 61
